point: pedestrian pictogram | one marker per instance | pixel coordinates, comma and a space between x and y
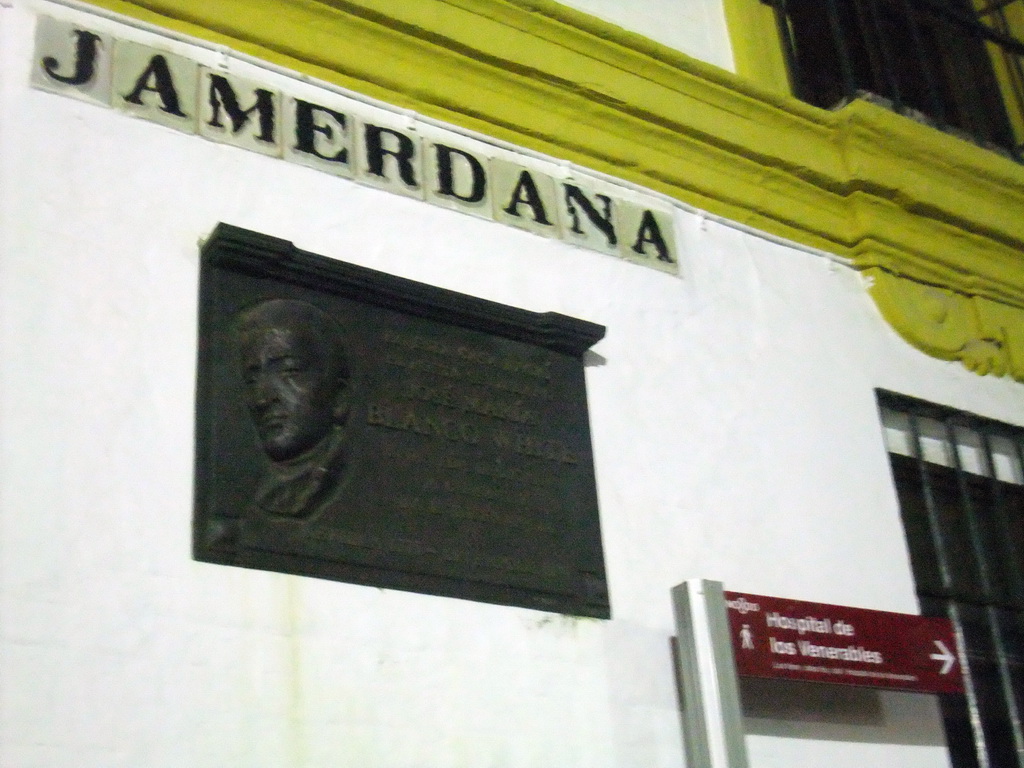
747, 637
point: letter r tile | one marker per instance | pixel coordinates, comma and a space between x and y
390, 157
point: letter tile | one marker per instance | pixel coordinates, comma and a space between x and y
524, 198
589, 216
648, 237
156, 85
457, 177
390, 158
319, 136
72, 61
239, 112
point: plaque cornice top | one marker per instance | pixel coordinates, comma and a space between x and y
262, 255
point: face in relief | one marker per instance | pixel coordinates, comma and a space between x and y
293, 380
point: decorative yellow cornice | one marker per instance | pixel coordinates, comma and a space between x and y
912, 206
986, 336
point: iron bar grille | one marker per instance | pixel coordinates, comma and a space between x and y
954, 64
960, 483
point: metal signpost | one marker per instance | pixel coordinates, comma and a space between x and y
712, 719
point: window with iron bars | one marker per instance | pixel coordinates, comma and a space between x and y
955, 64
960, 482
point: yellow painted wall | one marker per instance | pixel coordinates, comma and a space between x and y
916, 209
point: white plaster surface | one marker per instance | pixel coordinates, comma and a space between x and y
735, 432
695, 27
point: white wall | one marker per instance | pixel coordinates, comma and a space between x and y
695, 27
735, 434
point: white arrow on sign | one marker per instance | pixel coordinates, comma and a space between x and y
944, 656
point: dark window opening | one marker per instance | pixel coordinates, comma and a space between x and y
960, 483
931, 59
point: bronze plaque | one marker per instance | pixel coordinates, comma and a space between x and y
357, 426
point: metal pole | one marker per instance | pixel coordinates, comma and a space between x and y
712, 719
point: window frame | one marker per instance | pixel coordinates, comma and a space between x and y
948, 99
953, 519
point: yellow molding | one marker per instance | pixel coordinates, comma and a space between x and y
986, 336
756, 49
925, 208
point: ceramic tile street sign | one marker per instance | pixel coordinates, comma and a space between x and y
380, 147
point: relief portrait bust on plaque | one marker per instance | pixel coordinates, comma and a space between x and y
296, 388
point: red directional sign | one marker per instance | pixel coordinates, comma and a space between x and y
798, 640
